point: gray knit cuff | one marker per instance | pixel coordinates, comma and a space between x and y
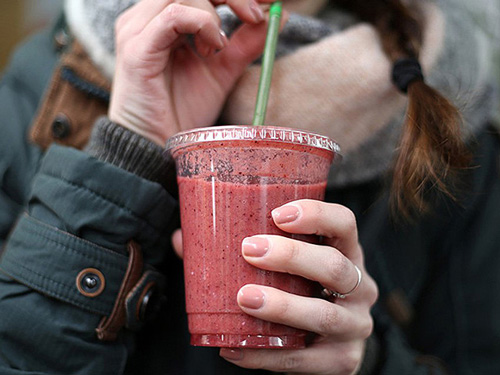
112, 143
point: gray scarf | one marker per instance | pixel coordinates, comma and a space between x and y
462, 66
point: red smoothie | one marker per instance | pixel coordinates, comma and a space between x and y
227, 190
214, 267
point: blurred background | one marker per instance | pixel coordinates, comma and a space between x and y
19, 18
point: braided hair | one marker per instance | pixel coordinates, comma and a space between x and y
431, 149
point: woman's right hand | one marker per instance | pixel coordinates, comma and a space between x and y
161, 84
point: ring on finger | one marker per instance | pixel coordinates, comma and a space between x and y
328, 293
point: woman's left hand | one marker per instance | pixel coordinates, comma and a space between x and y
342, 326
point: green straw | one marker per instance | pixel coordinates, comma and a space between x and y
267, 63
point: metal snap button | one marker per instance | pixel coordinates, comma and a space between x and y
90, 282
61, 39
61, 126
149, 303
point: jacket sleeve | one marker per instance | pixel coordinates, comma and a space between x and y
81, 214
62, 212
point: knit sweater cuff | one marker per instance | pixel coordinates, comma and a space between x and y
114, 144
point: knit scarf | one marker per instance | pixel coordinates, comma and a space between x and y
331, 75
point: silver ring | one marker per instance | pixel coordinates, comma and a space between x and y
327, 293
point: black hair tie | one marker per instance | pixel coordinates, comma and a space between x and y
405, 71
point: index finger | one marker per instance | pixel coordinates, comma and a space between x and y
136, 18
334, 222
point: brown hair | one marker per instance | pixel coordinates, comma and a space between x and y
431, 148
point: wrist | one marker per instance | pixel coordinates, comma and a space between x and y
135, 123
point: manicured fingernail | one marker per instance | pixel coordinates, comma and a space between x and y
223, 38
255, 246
285, 214
251, 298
257, 12
231, 353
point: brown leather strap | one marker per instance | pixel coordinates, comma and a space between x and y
110, 326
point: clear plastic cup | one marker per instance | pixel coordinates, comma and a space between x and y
230, 178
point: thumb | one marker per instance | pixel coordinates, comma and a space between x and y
177, 243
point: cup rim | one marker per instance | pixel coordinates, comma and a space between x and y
251, 132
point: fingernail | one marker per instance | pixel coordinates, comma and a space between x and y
251, 298
285, 214
255, 246
204, 50
223, 38
257, 12
231, 353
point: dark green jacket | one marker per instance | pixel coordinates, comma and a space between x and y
62, 211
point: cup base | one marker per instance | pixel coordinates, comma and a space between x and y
248, 341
